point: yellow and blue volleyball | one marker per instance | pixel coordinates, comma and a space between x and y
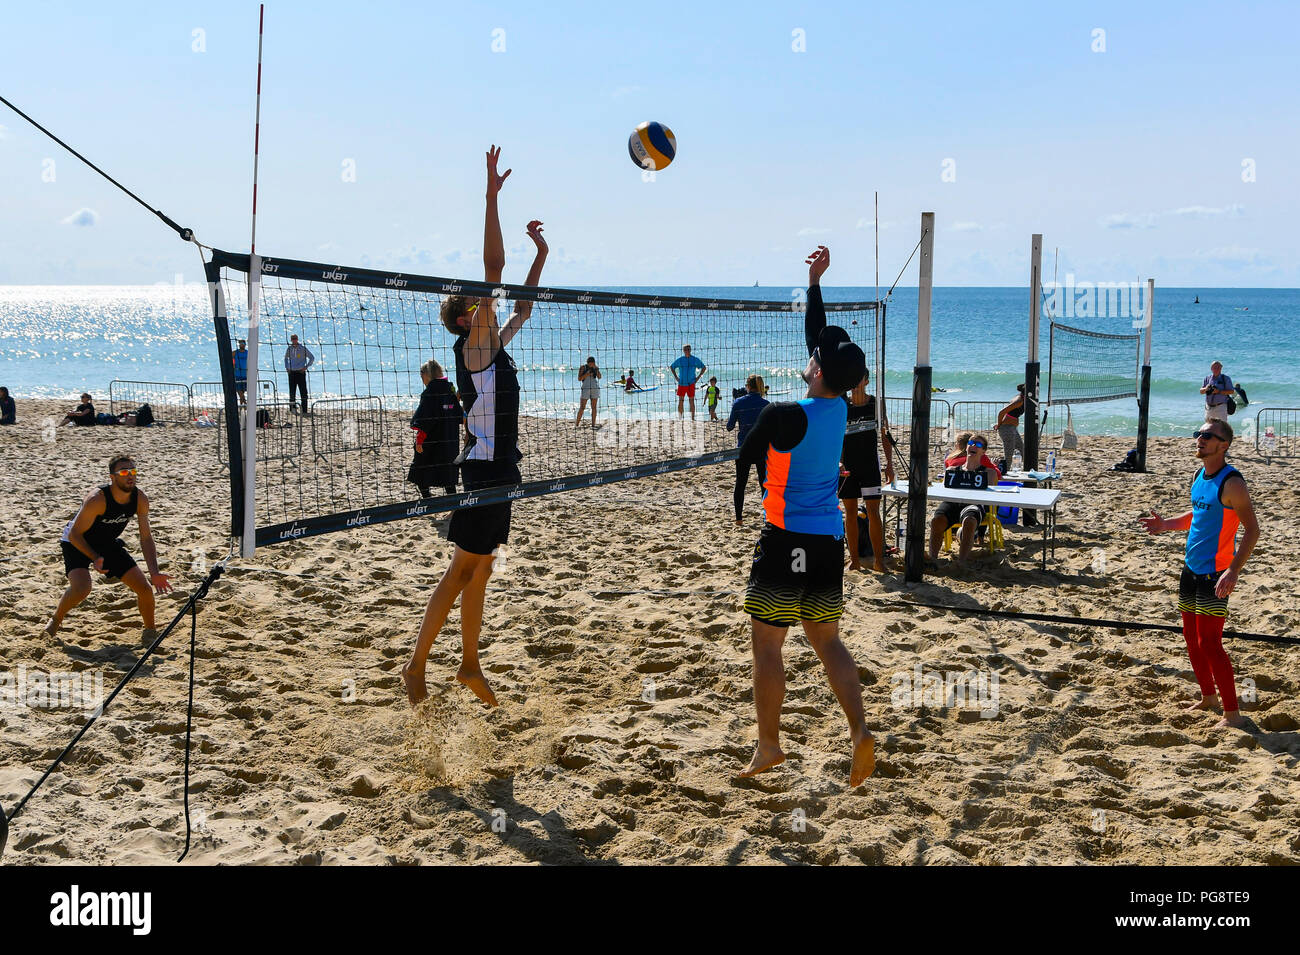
652, 145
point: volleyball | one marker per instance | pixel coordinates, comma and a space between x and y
652, 145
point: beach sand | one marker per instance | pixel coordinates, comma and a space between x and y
618, 648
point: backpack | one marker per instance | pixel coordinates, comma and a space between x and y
864, 536
105, 418
1070, 439
143, 416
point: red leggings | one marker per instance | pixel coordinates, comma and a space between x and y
1204, 635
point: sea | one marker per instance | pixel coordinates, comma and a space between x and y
58, 341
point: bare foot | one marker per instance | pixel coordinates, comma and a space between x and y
764, 759
738, 523
147, 636
879, 568
52, 627
864, 759
855, 565
475, 680
416, 691
1233, 719
1204, 703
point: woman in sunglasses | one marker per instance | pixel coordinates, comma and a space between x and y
972, 458
92, 540
1212, 563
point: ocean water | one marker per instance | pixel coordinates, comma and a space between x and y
56, 342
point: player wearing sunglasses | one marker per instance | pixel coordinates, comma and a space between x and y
1212, 564
92, 540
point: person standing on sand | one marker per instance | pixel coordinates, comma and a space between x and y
489, 392
687, 370
589, 378
297, 359
1211, 566
1217, 388
797, 574
91, 539
239, 358
744, 412
861, 459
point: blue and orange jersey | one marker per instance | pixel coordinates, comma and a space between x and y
800, 490
1211, 541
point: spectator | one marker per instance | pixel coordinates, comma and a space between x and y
1009, 428
436, 423
589, 377
1217, 388
744, 412
297, 359
83, 415
860, 476
240, 361
969, 516
687, 370
8, 412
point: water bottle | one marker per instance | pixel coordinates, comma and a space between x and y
1051, 463
1017, 462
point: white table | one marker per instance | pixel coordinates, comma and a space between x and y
1033, 498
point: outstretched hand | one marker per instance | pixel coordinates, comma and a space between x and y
495, 181
818, 262
162, 583
535, 233
1155, 524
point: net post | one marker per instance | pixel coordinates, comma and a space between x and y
225, 359
1032, 364
248, 532
922, 375
1144, 381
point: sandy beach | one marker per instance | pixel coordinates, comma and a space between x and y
617, 645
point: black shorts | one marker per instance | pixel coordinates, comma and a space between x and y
861, 486
795, 577
117, 561
1196, 594
479, 530
954, 513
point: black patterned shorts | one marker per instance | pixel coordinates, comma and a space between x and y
795, 577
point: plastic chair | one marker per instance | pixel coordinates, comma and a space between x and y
992, 527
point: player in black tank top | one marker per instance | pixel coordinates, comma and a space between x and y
489, 386
92, 541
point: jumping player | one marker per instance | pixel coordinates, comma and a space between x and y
91, 540
489, 391
1211, 567
798, 570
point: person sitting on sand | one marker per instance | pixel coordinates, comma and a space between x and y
969, 516
436, 423
8, 411
83, 415
489, 389
797, 574
1211, 564
92, 539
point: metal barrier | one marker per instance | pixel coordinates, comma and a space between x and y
210, 396
340, 425
976, 416
280, 440
899, 413
1277, 432
169, 402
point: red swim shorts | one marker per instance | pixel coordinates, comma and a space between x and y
685, 391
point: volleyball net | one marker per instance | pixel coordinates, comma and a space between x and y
345, 463
1085, 366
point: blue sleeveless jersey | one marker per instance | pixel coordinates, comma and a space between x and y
1212, 539
802, 482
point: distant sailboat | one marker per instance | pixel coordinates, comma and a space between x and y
1197, 301
755, 285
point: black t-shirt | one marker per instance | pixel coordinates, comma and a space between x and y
860, 449
8, 410
85, 419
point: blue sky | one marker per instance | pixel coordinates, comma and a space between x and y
1128, 160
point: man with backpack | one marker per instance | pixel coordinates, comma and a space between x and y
1219, 393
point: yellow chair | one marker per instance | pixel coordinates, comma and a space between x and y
992, 533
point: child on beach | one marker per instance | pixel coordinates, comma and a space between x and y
711, 395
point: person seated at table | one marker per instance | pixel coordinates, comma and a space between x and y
969, 516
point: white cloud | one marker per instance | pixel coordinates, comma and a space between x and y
1209, 212
82, 217
1232, 257
966, 227
811, 231
1124, 220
